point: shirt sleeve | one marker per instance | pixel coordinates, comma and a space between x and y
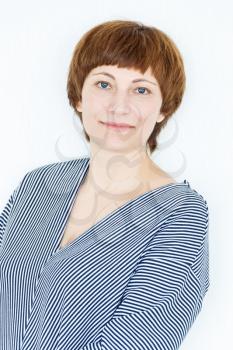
165, 293
6, 212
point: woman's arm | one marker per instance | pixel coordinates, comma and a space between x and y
5, 214
165, 294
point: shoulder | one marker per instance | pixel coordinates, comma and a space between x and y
183, 222
48, 175
179, 200
196, 200
57, 167
190, 206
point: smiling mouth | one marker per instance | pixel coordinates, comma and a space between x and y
117, 125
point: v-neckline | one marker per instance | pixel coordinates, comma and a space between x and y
62, 250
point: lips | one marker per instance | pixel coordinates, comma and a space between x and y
120, 125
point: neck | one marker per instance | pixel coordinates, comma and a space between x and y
119, 172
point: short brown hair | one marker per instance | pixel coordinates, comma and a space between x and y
130, 44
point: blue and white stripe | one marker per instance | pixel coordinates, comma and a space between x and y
134, 281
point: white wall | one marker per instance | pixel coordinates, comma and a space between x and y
39, 127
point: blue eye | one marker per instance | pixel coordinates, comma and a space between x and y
144, 89
103, 84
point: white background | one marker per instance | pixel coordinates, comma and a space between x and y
39, 127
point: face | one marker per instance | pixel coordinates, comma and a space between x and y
121, 96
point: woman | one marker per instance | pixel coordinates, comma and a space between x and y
108, 251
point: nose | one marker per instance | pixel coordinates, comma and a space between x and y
119, 104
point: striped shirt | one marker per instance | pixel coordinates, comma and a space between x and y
135, 280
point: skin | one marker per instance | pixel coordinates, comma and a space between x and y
119, 163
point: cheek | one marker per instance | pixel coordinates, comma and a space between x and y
94, 103
92, 113
147, 125
147, 128
150, 108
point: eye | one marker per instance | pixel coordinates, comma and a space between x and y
143, 89
103, 84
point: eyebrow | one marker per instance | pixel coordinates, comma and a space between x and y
133, 81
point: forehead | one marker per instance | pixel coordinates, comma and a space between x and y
132, 73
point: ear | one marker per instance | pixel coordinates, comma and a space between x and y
79, 106
160, 118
